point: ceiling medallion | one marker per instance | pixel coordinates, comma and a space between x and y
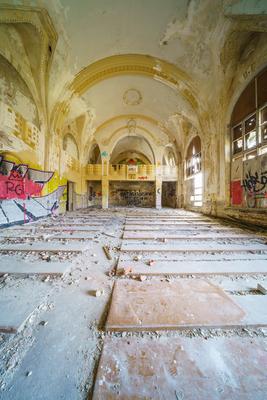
131, 125
132, 97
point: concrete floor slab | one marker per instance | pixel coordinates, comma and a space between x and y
15, 265
255, 307
195, 256
17, 303
156, 305
58, 229
178, 228
192, 247
231, 267
196, 236
74, 224
173, 222
168, 219
49, 247
182, 368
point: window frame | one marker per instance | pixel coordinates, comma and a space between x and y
260, 143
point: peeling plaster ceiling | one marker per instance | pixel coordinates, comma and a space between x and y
185, 33
101, 28
197, 38
180, 32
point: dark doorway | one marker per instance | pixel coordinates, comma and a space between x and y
169, 194
94, 192
70, 196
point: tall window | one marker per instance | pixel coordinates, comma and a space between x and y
249, 144
193, 157
193, 172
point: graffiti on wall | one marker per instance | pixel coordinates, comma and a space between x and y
255, 188
249, 182
20, 181
21, 198
255, 183
137, 194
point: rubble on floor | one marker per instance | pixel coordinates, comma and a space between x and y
186, 290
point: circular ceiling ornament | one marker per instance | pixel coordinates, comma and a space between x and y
132, 97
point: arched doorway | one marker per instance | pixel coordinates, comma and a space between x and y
131, 158
169, 186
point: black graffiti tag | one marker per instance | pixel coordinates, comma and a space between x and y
255, 183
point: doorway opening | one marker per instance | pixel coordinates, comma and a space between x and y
169, 194
94, 193
70, 196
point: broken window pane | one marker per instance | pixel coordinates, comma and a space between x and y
264, 124
238, 146
237, 132
251, 139
250, 124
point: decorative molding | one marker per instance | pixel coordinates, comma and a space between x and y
132, 97
136, 64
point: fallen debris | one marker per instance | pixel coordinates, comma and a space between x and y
109, 234
43, 323
142, 278
137, 258
261, 289
99, 292
107, 253
125, 271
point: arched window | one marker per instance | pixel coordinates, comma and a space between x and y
249, 145
193, 173
193, 157
249, 119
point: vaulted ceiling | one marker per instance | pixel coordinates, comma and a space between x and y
171, 61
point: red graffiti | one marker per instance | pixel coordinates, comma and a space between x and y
236, 192
15, 186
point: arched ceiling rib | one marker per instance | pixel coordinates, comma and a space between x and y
135, 95
135, 64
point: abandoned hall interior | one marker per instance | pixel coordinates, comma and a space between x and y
133, 199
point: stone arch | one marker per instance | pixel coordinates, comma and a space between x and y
141, 132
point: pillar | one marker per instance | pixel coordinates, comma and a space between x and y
158, 192
158, 185
105, 183
105, 190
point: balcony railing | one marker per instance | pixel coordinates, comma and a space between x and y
93, 171
131, 172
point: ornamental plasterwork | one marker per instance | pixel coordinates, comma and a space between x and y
132, 97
